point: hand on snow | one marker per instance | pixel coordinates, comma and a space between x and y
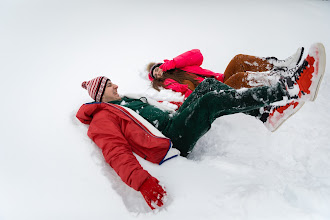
153, 193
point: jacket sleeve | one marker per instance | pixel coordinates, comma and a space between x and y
190, 58
204, 72
177, 87
107, 135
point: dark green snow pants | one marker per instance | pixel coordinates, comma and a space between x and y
212, 99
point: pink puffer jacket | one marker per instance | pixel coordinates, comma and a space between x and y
189, 61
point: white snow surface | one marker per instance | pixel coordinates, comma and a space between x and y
50, 169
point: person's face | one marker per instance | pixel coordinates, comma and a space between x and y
110, 92
158, 73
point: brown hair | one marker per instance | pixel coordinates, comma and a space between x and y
176, 74
149, 66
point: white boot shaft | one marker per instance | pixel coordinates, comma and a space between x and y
289, 62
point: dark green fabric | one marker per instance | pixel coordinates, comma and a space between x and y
211, 99
153, 115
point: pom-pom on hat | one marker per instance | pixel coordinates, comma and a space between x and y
151, 76
95, 87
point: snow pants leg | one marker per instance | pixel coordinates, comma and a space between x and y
246, 71
244, 63
210, 100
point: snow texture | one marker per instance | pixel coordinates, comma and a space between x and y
50, 169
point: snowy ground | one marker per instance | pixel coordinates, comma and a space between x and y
49, 169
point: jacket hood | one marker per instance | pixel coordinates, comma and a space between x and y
86, 111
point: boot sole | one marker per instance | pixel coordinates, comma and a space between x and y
321, 68
294, 112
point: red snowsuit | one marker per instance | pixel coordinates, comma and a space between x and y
118, 133
190, 62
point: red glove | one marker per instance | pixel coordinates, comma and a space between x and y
167, 65
152, 192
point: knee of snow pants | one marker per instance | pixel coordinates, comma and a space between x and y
243, 63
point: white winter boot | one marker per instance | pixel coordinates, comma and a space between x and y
289, 62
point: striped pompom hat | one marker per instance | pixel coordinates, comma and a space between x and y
96, 87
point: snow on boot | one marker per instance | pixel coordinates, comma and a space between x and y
284, 72
274, 116
289, 62
304, 83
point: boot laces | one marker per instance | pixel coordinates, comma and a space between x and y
284, 71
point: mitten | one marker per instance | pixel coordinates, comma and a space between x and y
153, 193
167, 65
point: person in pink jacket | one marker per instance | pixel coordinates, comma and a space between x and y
183, 73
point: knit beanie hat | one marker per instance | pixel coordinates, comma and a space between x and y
95, 87
151, 75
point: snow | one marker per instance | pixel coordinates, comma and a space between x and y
50, 169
